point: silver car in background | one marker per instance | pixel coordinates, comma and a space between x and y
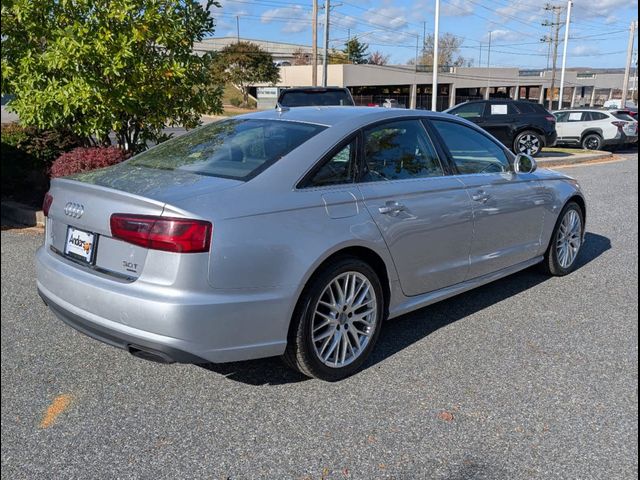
297, 233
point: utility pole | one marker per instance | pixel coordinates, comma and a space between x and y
238, 27
564, 53
436, 38
627, 68
634, 88
325, 60
314, 44
549, 40
348, 45
556, 33
480, 55
489, 51
487, 94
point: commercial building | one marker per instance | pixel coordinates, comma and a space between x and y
372, 84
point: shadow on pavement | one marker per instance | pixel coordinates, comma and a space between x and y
404, 331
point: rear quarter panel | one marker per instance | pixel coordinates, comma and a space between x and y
558, 189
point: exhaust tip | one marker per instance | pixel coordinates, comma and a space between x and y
149, 354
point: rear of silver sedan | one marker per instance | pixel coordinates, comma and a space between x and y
126, 257
151, 298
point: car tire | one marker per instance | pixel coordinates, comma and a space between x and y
564, 235
306, 352
528, 142
592, 141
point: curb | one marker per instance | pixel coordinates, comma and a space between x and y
22, 214
573, 159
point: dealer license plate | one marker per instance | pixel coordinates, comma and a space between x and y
80, 244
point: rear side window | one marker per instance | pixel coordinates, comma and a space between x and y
302, 98
399, 150
471, 151
339, 169
502, 109
238, 149
469, 110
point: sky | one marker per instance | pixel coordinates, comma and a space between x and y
598, 34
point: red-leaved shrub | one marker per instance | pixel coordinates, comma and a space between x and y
83, 159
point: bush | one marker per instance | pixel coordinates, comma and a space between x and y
235, 101
26, 155
85, 159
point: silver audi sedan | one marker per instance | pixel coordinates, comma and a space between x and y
297, 233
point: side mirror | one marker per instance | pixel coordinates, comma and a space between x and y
524, 164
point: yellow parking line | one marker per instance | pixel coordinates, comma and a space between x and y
59, 405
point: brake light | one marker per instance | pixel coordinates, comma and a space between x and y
619, 124
551, 118
179, 235
46, 204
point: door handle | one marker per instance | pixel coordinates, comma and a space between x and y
392, 208
481, 196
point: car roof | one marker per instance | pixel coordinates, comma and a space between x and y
312, 89
586, 109
331, 115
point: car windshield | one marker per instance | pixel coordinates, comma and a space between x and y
322, 98
237, 149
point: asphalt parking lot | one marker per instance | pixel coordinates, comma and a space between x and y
525, 378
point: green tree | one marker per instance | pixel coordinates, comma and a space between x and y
356, 51
245, 64
97, 66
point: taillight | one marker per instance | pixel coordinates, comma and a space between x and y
46, 204
162, 233
551, 118
619, 124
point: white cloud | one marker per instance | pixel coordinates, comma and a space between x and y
500, 35
457, 8
585, 50
295, 17
389, 17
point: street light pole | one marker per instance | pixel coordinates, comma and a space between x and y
325, 60
564, 53
625, 83
436, 35
314, 45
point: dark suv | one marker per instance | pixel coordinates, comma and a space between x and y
524, 127
315, 96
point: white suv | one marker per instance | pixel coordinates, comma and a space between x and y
594, 129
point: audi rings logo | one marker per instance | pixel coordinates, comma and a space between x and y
74, 210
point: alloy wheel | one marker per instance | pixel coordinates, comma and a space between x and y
569, 238
529, 144
344, 320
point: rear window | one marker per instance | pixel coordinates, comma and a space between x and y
237, 149
304, 98
623, 116
540, 108
525, 107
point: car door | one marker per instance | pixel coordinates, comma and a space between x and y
500, 119
508, 208
424, 215
473, 111
576, 123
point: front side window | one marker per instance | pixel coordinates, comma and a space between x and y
399, 150
238, 149
339, 169
471, 151
469, 110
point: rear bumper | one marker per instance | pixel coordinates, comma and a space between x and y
550, 139
163, 324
